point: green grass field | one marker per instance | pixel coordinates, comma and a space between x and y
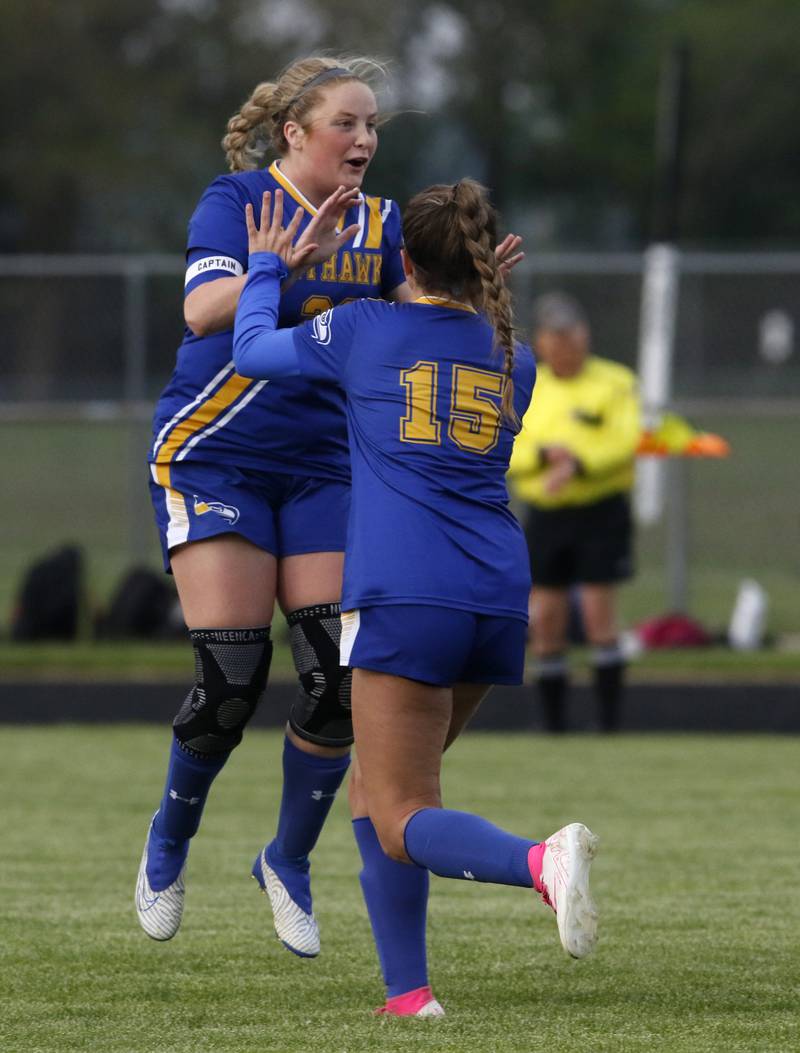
696, 881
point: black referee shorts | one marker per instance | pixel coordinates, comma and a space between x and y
582, 544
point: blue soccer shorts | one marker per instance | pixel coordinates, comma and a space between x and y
286, 515
436, 645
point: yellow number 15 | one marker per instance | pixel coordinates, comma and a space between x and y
474, 420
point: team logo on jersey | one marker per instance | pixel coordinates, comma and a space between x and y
321, 327
228, 512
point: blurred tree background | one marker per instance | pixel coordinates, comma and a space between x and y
114, 110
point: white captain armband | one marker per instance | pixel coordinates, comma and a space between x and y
223, 264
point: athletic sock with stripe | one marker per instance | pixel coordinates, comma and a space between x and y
310, 784
460, 845
189, 779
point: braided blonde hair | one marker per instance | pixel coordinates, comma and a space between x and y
258, 125
450, 234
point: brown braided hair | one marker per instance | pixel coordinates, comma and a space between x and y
450, 235
258, 126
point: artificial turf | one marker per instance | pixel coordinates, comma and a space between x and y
696, 881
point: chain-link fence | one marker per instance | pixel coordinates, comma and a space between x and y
90, 341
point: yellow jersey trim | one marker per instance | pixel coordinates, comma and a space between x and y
295, 193
375, 228
444, 301
291, 189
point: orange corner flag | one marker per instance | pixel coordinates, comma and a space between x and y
675, 437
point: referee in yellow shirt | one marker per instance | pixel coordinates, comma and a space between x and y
573, 466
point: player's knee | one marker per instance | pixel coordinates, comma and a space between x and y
391, 834
231, 668
390, 821
321, 710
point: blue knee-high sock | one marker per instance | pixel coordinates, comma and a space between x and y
189, 779
309, 787
461, 845
396, 896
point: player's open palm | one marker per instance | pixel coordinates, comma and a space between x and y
272, 236
323, 230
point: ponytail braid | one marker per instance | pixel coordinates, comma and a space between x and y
475, 222
250, 131
450, 236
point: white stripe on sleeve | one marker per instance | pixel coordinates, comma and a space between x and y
362, 223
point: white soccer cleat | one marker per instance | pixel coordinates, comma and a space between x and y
159, 913
566, 861
297, 931
432, 1008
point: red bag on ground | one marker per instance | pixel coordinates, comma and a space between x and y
673, 630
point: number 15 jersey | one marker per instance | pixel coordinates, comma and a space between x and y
429, 519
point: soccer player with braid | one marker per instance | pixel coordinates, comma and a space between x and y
436, 579
251, 481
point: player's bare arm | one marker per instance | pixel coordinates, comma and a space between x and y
211, 307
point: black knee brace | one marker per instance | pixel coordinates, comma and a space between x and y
321, 711
230, 668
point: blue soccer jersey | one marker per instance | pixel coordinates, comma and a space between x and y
289, 425
429, 521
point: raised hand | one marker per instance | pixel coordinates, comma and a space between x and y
507, 255
322, 232
272, 236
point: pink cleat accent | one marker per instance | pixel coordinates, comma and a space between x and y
535, 857
560, 871
419, 1002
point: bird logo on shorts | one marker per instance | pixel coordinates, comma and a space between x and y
228, 512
